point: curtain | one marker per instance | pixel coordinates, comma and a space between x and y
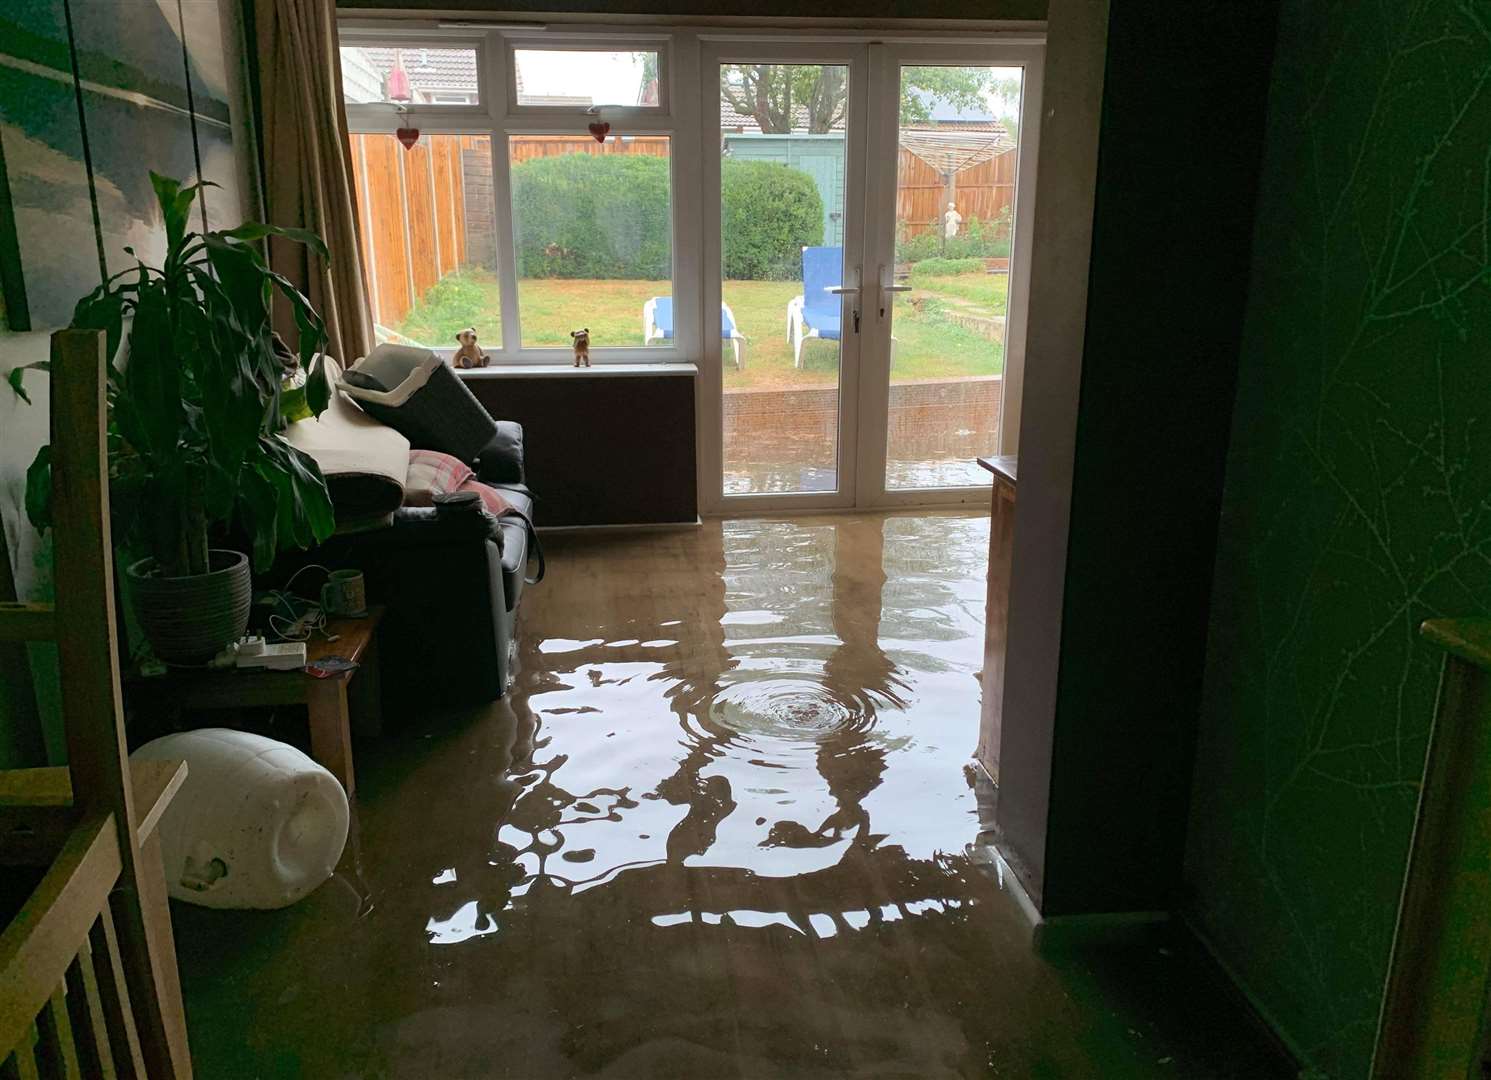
308, 179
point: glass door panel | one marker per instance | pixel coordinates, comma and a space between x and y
948, 287
784, 276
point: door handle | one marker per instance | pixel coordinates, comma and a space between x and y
843, 290
888, 285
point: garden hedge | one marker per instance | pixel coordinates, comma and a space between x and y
606, 216
769, 212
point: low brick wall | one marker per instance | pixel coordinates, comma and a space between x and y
932, 420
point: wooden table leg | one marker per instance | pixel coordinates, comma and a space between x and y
331, 728
366, 692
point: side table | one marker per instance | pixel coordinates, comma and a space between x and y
329, 702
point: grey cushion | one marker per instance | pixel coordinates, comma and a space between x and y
423, 399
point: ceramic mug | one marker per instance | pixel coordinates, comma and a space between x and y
343, 594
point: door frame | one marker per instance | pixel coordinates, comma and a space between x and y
710, 397
875, 355
872, 124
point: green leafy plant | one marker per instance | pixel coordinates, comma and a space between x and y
194, 407
768, 213
606, 217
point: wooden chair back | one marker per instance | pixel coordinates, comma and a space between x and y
88, 979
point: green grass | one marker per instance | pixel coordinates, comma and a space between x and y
928, 345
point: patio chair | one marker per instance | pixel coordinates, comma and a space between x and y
657, 325
818, 312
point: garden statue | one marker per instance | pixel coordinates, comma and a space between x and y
950, 221
469, 355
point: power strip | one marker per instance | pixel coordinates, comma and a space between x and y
286, 657
253, 652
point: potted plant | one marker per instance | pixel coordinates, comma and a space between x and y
194, 421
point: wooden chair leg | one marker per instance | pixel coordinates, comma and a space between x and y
154, 981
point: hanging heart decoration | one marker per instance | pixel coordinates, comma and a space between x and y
600, 129
408, 136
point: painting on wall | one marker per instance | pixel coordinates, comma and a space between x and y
46, 179
94, 94
155, 90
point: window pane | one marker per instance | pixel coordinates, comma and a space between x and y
955, 199
592, 223
428, 237
585, 77
782, 174
414, 76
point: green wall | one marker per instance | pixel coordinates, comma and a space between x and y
1357, 502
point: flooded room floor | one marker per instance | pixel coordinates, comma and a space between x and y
719, 828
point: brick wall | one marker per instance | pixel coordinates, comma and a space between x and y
481, 229
929, 421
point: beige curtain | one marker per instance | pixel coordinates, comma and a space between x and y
308, 168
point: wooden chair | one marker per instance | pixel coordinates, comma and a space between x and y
88, 979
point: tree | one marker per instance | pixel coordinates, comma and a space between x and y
782, 98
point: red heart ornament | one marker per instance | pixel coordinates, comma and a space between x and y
408, 136
600, 129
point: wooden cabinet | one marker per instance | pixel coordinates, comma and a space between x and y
996, 614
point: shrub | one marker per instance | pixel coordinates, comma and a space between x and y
768, 213
975, 240
607, 216
593, 216
946, 267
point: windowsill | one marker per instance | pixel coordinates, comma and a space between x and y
550, 371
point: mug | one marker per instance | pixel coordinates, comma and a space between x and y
343, 594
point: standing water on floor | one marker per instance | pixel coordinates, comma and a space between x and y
718, 828
828, 707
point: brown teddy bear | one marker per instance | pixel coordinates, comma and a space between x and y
582, 346
469, 355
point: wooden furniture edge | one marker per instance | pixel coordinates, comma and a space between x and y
1469, 639
154, 783
20, 621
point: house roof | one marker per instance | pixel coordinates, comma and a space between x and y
428, 69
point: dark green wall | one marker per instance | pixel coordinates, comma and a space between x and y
1183, 107
1358, 502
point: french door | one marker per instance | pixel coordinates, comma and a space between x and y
868, 208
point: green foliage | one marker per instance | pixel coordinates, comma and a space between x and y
946, 267
975, 240
606, 217
195, 408
809, 97
464, 298
768, 213
593, 216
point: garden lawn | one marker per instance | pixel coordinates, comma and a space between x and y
927, 344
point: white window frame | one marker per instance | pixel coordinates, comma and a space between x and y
499, 117
685, 114
639, 114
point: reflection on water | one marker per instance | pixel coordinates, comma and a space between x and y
717, 829
838, 683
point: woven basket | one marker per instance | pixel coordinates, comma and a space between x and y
190, 619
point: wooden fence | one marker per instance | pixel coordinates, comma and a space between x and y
427, 211
412, 214
983, 191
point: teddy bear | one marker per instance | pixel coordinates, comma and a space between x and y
582, 346
469, 355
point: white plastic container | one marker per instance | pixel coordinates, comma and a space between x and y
257, 824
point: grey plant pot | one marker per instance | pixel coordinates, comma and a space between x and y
189, 619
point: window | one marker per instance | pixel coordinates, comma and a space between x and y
396, 74
429, 237
586, 78
593, 237
506, 212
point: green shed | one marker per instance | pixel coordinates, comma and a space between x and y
820, 156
